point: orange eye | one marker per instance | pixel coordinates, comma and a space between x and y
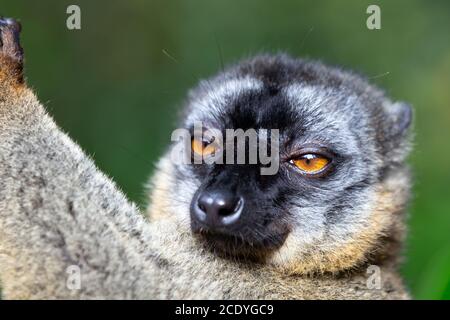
311, 163
203, 148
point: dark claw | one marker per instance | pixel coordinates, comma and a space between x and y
9, 39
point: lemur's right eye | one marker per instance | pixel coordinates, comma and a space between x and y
203, 148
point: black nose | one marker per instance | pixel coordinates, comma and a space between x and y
218, 209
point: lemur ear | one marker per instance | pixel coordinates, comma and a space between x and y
400, 118
396, 139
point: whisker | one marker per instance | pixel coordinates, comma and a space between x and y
219, 51
305, 37
167, 54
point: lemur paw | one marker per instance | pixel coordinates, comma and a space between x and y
11, 53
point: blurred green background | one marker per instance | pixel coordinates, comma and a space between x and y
111, 86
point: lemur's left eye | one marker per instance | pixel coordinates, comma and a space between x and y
311, 163
203, 148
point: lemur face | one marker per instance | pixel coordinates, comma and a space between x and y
335, 146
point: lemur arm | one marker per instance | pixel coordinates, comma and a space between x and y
57, 209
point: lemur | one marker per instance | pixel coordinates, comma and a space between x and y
214, 231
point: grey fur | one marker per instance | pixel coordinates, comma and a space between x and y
57, 209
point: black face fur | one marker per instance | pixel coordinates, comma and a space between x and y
317, 109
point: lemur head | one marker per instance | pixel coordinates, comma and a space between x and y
340, 186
